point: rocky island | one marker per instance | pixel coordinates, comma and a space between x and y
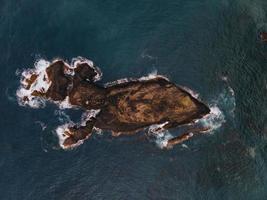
123, 107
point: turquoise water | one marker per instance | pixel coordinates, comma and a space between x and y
211, 47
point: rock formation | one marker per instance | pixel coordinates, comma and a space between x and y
123, 107
263, 36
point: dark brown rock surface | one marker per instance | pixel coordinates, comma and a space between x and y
125, 108
263, 36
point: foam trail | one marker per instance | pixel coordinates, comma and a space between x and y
227, 100
10, 97
42, 124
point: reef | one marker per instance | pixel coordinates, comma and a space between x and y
123, 107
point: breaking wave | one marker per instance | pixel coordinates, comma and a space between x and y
36, 80
160, 135
87, 115
191, 92
41, 83
219, 106
222, 108
60, 130
154, 74
214, 120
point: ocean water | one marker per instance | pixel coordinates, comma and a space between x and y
211, 47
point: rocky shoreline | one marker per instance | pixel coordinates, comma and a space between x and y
123, 107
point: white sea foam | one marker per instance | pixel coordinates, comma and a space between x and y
65, 104
18, 72
154, 74
228, 98
226, 101
86, 116
224, 78
60, 131
221, 107
162, 139
98, 131
41, 84
146, 55
160, 135
119, 81
42, 124
231, 91
63, 117
9, 95
157, 128
193, 93
80, 60
150, 76
185, 146
214, 120
162, 142
252, 152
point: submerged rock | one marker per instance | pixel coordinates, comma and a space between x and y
124, 107
263, 36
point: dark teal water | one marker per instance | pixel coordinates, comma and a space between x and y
211, 47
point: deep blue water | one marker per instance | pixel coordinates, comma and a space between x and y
211, 47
